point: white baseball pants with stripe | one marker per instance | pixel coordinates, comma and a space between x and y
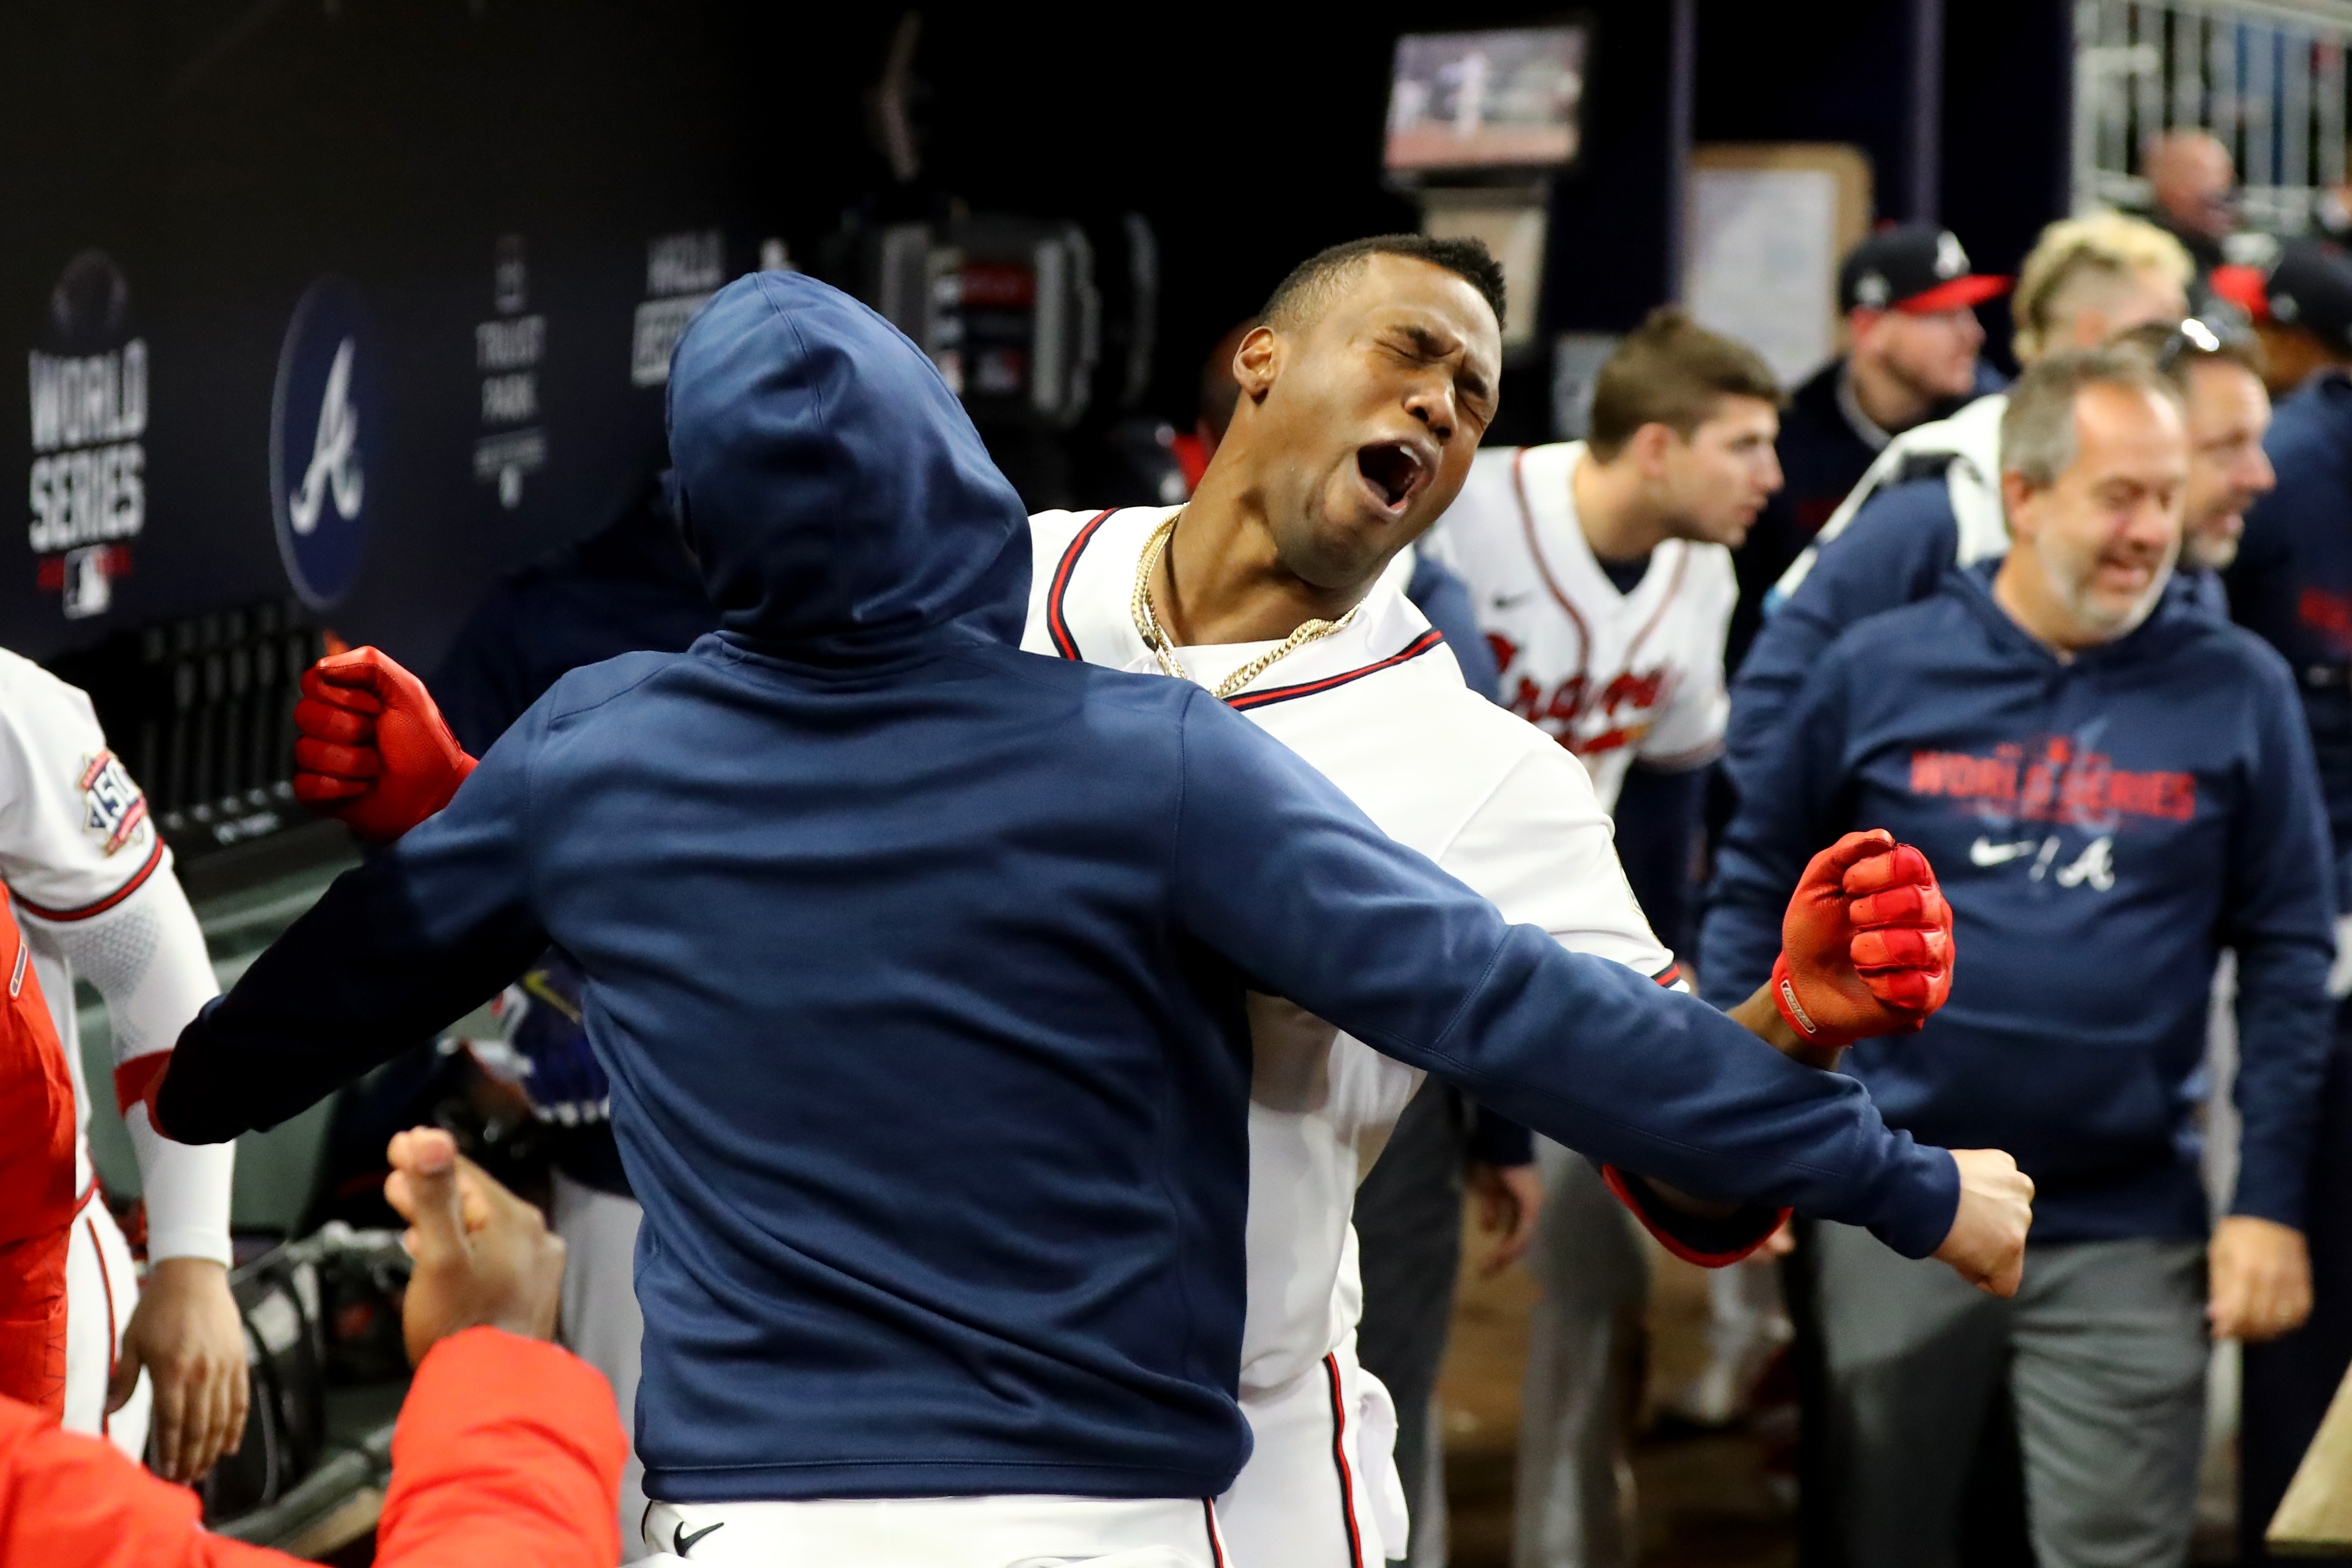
1320, 1490
101, 1287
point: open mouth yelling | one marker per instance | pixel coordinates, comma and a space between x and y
1394, 473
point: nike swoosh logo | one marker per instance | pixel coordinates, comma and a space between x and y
1508, 600
681, 1542
1984, 852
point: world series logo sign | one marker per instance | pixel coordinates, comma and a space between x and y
325, 419
87, 386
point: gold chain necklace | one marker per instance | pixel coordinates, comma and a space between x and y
1163, 647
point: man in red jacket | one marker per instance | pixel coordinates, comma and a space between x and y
508, 1450
37, 1201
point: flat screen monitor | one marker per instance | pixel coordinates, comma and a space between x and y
1505, 99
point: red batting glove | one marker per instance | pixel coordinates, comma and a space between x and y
372, 749
1866, 945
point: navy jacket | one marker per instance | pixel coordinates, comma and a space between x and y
2292, 585
2101, 828
918, 963
1823, 458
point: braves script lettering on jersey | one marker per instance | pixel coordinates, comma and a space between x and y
1381, 710
1610, 675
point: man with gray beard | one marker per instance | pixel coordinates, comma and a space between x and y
2118, 785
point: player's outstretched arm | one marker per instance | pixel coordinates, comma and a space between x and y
1867, 950
1283, 875
397, 949
372, 747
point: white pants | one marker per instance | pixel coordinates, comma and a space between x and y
101, 1287
1320, 1490
940, 1533
602, 1324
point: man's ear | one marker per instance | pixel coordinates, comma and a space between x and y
1258, 362
2017, 496
1651, 446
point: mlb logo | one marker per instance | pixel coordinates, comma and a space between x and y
113, 806
89, 581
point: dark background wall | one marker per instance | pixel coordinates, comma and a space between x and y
227, 153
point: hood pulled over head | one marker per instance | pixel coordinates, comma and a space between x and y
832, 487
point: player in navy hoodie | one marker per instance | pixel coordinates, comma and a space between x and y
2119, 786
917, 964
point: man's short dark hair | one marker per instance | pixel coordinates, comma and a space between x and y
1670, 370
1322, 277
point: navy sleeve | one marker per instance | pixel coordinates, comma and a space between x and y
2278, 919
1444, 599
1787, 813
1278, 872
425, 931
1893, 553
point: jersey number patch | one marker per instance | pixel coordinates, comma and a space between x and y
112, 806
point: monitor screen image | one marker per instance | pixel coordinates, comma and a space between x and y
1505, 99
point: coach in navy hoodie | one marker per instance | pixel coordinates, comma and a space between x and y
917, 964
2115, 796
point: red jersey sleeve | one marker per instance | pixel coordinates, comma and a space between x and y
508, 1455
37, 1183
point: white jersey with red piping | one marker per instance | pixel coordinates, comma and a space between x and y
1379, 708
1611, 675
91, 883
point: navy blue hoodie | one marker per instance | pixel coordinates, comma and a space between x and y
2103, 827
918, 963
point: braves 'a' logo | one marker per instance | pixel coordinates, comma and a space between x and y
334, 451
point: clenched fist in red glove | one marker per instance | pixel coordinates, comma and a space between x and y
372, 747
1866, 945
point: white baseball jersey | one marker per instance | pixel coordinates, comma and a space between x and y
1610, 675
91, 883
1378, 708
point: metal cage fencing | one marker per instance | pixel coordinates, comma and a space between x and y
2264, 76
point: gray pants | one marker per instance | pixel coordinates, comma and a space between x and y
1575, 1502
2105, 1348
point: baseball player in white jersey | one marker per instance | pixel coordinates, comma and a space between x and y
91, 884
1378, 706
1602, 576
1270, 590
